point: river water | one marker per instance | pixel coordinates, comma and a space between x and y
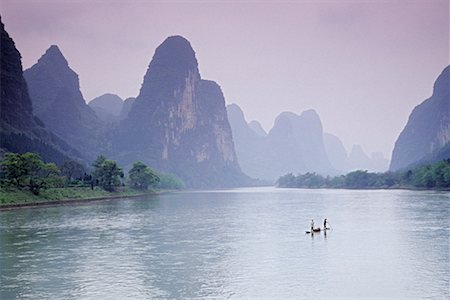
238, 244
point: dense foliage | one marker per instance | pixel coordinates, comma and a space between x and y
429, 176
141, 176
28, 172
169, 181
72, 170
107, 173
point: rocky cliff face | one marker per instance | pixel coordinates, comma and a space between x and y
107, 107
16, 109
55, 93
178, 123
20, 130
427, 133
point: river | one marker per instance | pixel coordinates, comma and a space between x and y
240, 243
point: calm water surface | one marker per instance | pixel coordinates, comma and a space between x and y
243, 243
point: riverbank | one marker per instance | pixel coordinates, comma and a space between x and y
13, 198
405, 188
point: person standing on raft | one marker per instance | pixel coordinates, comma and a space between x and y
325, 223
312, 225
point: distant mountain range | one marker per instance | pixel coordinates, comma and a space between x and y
178, 123
110, 108
107, 107
295, 144
426, 136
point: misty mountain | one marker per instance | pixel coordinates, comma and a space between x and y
426, 136
257, 128
107, 107
251, 148
356, 160
56, 97
178, 122
20, 130
336, 153
295, 144
359, 160
379, 162
126, 107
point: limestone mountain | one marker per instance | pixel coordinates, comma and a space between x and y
336, 153
359, 160
178, 122
126, 107
251, 148
294, 144
20, 130
256, 127
426, 136
107, 107
55, 93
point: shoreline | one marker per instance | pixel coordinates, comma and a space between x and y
369, 188
70, 201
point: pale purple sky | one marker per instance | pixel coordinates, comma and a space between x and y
362, 65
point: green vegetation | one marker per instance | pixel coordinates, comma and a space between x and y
436, 176
25, 178
169, 181
72, 170
107, 173
16, 196
29, 171
141, 176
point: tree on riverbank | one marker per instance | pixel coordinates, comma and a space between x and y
107, 173
72, 170
29, 171
141, 176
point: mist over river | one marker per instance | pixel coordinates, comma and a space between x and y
240, 243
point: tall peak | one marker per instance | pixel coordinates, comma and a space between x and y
177, 51
286, 115
235, 110
177, 41
442, 82
54, 56
174, 62
257, 128
310, 113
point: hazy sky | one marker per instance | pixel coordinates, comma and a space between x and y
362, 65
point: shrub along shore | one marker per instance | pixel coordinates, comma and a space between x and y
28, 181
428, 177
